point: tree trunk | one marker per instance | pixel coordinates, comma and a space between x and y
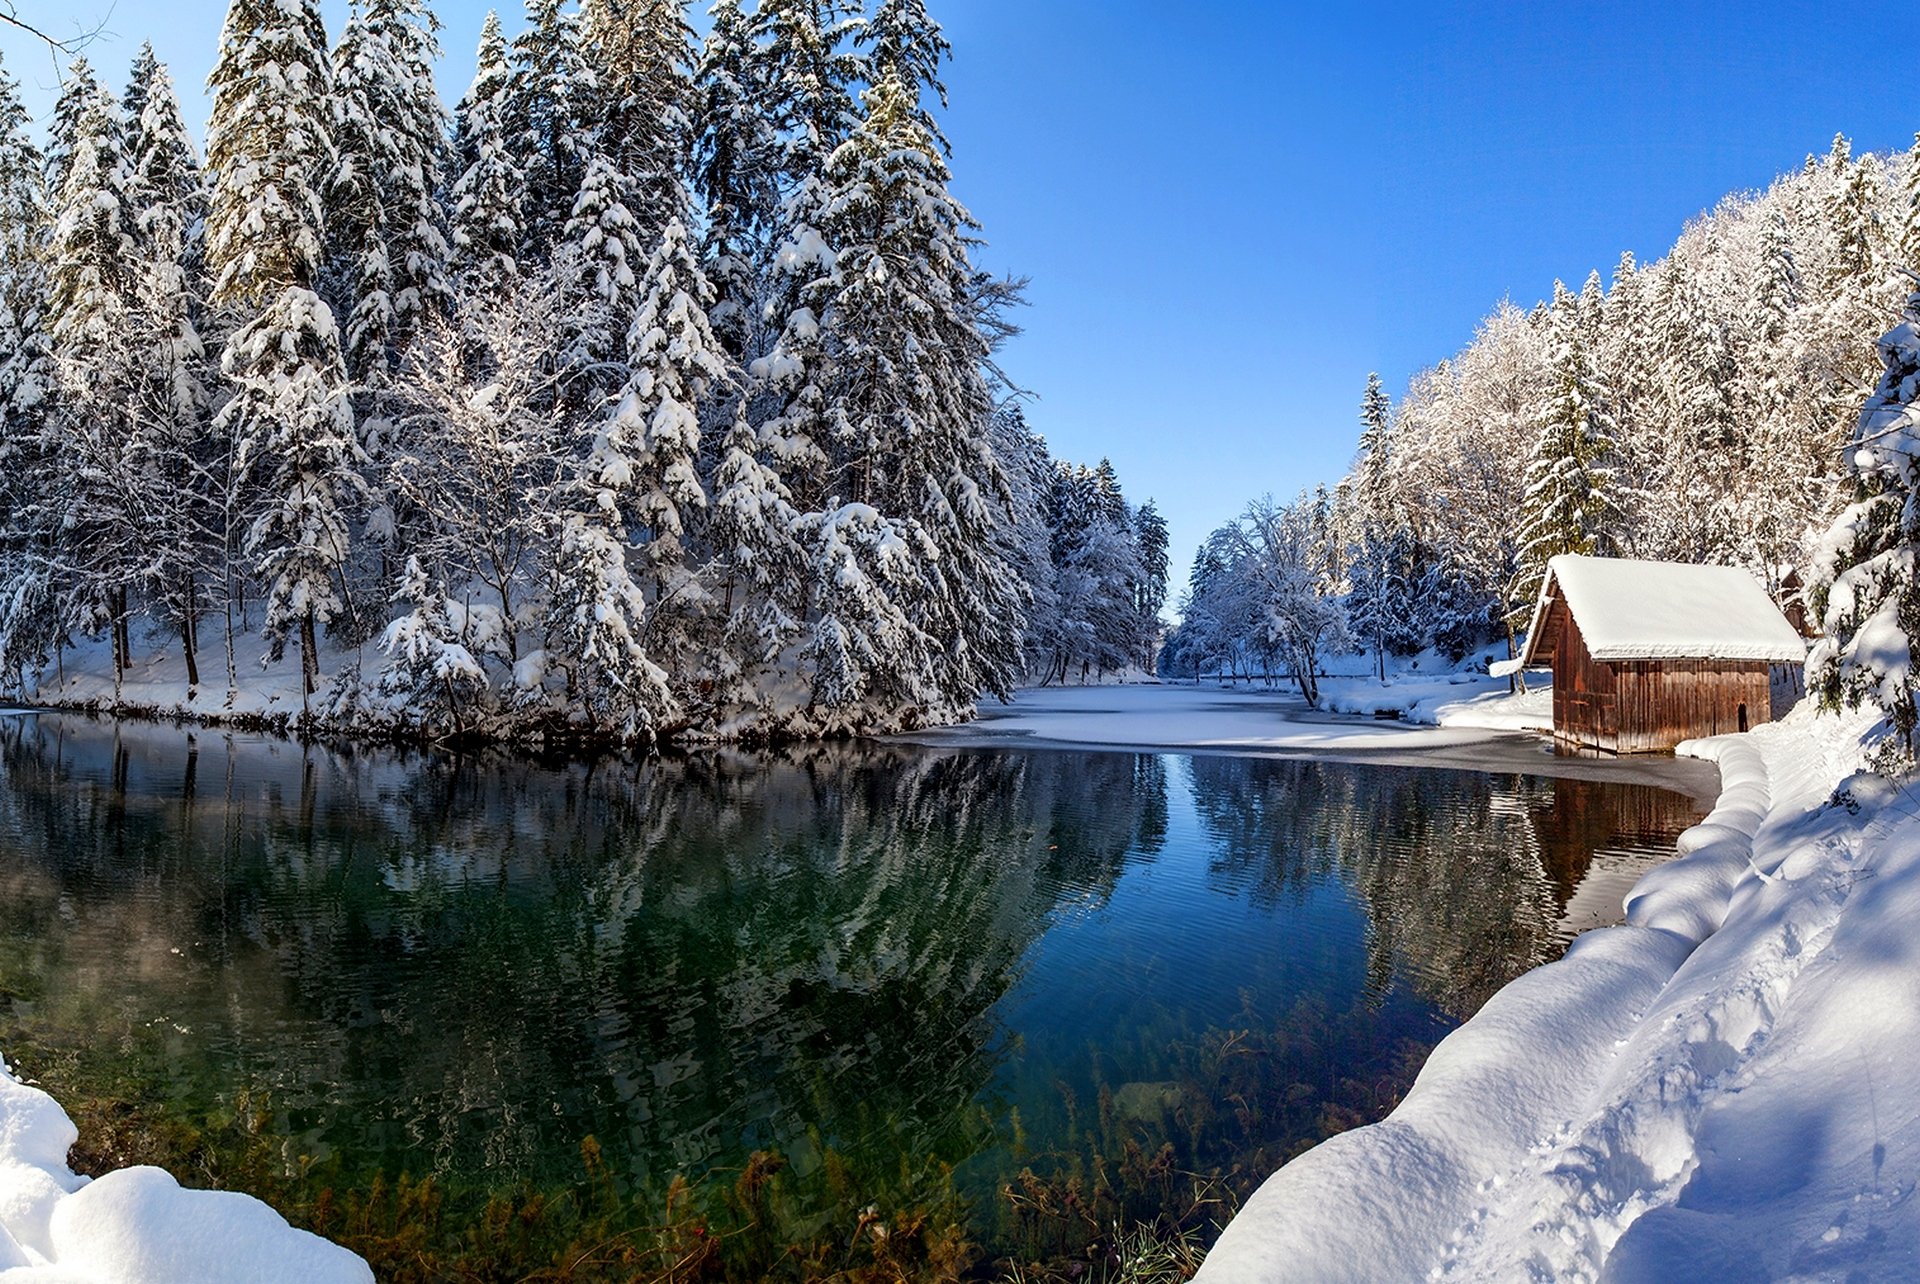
190, 648
233, 670
309, 661
117, 603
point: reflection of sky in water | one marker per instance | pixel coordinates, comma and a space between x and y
1169, 953
467, 968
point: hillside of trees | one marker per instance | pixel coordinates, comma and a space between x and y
1697, 409
652, 392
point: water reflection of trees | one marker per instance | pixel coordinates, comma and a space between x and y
1463, 875
439, 961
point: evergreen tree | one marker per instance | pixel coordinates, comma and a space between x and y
29, 626
1150, 539
384, 215
642, 52
91, 251
1568, 505
910, 410
25, 379
734, 157
171, 444
77, 93
1907, 210
295, 452
647, 453
1868, 572
550, 119
598, 615
90, 477
902, 43
602, 253
756, 560
1380, 561
485, 202
805, 76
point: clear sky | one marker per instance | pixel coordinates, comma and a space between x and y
1232, 211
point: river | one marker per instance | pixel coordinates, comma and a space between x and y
756, 1005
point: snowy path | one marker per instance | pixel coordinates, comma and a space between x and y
1721, 1089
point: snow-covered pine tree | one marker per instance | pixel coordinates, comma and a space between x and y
77, 92
1568, 505
756, 564
632, 495
1867, 575
29, 626
1380, 591
269, 146
168, 205
903, 43
25, 375
1150, 539
170, 440
1778, 465
432, 679
91, 250
1907, 210
642, 52
1686, 518
603, 255
91, 475
735, 152
1094, 623
805, 75
1379, 561
910, 405
550, 120
647, 453
1853, 276
484, 204
384, 218
806, 70
871, 664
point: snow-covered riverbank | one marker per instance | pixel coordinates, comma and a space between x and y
1477, 731
136, 1224
1719, 1089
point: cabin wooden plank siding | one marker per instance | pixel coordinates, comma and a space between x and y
1649, 703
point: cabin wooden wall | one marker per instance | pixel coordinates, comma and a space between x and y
1663, 702
1648, 706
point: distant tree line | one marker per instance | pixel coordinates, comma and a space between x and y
1698, 409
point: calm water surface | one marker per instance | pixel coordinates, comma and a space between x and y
876, 957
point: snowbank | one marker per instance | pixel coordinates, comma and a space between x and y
1186, 717
137, 1225
1718, 1089
1445, 700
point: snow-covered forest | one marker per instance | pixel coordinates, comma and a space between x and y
1696, 409
650, 392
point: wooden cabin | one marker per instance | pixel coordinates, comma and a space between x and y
1647, 654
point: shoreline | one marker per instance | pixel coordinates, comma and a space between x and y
1271, 724
1614, 1114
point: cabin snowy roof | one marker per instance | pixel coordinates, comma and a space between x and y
1628, 610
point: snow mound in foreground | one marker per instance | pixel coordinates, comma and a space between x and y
137, 1225
1720, 1089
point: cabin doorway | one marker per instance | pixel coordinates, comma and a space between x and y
1743, 717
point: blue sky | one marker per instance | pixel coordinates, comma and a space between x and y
1231, 212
